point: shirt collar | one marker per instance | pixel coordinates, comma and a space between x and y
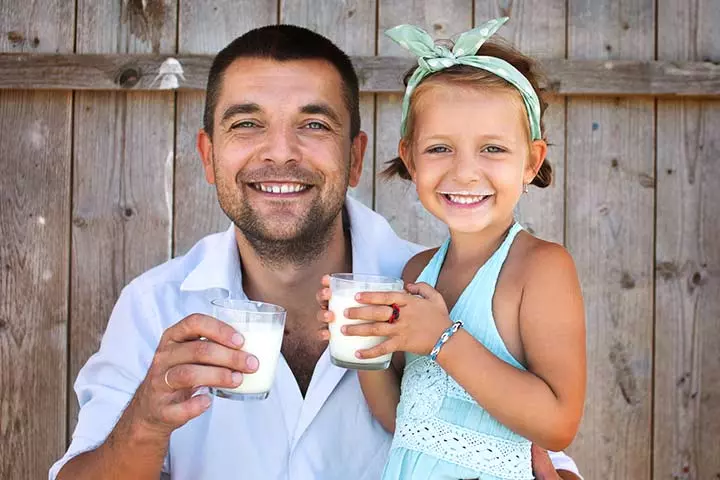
219, 265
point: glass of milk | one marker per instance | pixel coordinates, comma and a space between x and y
262, 325
344, 286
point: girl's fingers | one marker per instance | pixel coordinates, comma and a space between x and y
384, 348
424, 290
325, 316
376, 313
323, 297
372, 329
325, 281
382, 298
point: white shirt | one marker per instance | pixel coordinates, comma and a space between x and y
328, 435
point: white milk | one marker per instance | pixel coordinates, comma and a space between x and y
264, 342
343, 347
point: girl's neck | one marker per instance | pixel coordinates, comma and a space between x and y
476, 248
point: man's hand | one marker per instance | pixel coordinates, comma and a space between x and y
543, 468
183, 362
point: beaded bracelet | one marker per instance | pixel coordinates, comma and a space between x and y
449, 332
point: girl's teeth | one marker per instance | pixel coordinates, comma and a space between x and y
465, 199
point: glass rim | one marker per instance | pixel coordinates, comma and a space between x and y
366, 278
219, 302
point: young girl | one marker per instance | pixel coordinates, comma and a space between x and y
492, 327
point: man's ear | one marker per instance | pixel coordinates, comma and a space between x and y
204, 146
357, 154
538, 152
404, 152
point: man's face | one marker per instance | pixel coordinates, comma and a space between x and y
281, 156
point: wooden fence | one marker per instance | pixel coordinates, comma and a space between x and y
99, 180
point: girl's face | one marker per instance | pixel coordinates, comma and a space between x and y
470, 154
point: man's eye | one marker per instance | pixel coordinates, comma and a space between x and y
493, 149
244, 124
438, 149
316, 126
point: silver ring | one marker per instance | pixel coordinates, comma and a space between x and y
166, 380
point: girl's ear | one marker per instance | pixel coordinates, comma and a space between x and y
538, 152
404, 152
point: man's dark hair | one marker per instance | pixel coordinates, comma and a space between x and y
283, 43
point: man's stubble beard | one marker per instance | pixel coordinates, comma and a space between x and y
313, 231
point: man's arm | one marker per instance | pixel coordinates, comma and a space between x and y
136, 445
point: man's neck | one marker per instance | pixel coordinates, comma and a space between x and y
294, 286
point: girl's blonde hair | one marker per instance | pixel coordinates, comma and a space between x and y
465, 75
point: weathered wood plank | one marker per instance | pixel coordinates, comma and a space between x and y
35, 247
205, 31
381, 74
610, 196
397, 199
687, 275
122, 171
351, 26
534, 29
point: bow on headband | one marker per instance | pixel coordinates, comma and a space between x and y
433, 58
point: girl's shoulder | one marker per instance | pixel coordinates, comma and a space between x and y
415, 266
533, 257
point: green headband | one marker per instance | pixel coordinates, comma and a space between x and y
433, 58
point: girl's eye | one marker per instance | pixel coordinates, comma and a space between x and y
493, 149
438, 149
316, 126
243, 124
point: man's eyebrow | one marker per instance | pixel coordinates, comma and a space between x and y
239, 109
321, 109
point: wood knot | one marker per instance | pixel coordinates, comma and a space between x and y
351, 13
627, 281
666, 270
646, 181
698, 279
15, 37
79, 222
128, 78
3, 324
128, 212
614, 163
35, 42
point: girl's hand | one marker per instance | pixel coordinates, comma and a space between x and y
423, 318
324, 315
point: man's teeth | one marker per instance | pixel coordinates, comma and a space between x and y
465, 199
281, 187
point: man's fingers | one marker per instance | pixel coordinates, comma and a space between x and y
198, 325
188, 376
182, 412
376, 313
206, 352
372, 329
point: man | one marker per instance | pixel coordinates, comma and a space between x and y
281, 142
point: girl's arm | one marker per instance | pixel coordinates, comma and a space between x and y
382, 388
545, 403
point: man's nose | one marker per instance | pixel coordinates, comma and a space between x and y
281, 145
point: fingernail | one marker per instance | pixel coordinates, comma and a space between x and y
238, 340
344, 330
237, 378
358, 296
357, 355
205, 401
345, 312
252, 363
